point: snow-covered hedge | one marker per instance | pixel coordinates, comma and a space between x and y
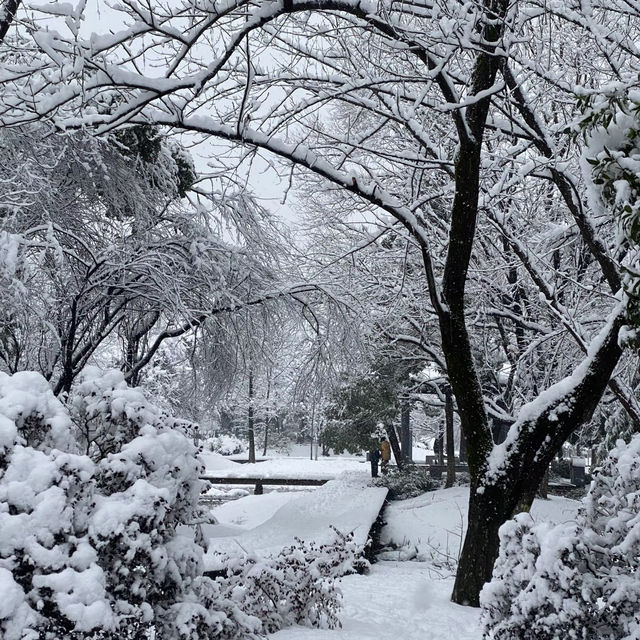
91, 548
576, 580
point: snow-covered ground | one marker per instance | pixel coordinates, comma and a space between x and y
431, 526
400, 599
297, 463
396, 601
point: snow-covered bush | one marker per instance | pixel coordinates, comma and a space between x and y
576, 580
407, 483
225, 445
94, 549
107, 413
50, 581
28, 406
295, 587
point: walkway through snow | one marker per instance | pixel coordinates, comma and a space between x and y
396, 601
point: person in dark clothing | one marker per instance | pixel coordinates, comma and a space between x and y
374, 458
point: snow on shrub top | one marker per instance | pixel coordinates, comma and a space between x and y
224, 444
106, 393
28, 406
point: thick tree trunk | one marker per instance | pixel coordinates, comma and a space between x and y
480, 549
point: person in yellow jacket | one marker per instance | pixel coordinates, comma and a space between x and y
385, 454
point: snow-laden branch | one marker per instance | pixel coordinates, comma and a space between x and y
552, 416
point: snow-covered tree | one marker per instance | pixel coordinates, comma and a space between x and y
101, 254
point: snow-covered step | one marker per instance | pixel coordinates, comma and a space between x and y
346, 503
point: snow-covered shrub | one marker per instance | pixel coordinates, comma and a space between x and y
576, 580
148, 487
407, 483
225, 445
147, 490
50, 581
95, 549
107, 413
295, 587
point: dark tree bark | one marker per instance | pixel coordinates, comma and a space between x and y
405, 433
463, 447
9, 11
395, 445
451, 454
266, 435
439, 443
543, 489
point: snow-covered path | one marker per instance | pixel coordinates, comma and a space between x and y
396, 601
